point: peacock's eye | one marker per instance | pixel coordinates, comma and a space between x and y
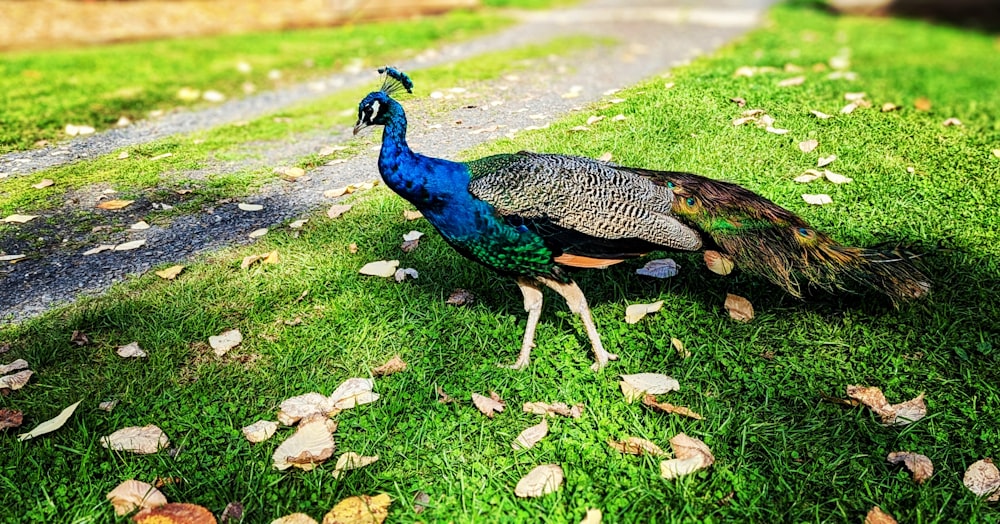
670, 185
690, 201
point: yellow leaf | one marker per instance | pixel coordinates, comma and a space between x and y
739, 308
50, 425
133, 494
635, 312
114, 204
540, 481
363, 509
170, 273
19, 219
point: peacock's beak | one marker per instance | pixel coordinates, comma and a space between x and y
359, 126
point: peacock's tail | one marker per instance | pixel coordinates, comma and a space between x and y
766, 239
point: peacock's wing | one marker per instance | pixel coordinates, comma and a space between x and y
581, 206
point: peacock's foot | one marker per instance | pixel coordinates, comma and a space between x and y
519, 364
602, 357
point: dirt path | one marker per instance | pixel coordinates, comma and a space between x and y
653, 35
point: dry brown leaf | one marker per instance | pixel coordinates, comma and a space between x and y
250, 260
922, 104
337, 210
579, 128
531, 436
551, 410
295, 518
849, 108
79, 338
132, 494
889, 106
293, 409
808, 146
257, 233
270, 258
14, 366
605, 156
540, 481
817, 199
170, 273
52, 424
593, 517
718, 263
175, 513
130, 350
921, 466
983, 479
107, 405
311, 444
873, 398
637, 446
951, 122
351, 460
412, 215
636, 312
819, 114
11, 258
354, 392
249, 207
19, 219
666, 407
691, 455
16, 381
291, 174
910, 411
362, 509
420, 501
775, 130
460, 297
128, 246
825, 161
380, 268
891, 415
655, 383
43, 183
490, 405
443, 397
98, 249
679, 347
260, 431
877, 516
225, 341
409, 245
143, 440
10, 418
836, 178
394, 365
115, 204
593, 119
739, 308
794, 81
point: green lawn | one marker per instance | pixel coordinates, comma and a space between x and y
784, 454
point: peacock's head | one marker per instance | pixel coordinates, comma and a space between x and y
374, 109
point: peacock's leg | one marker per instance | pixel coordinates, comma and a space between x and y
533, 305
578, 304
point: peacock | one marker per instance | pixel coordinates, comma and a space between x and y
531, 216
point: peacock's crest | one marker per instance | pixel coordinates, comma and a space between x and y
395, 81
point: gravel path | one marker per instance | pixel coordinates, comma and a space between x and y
653, 35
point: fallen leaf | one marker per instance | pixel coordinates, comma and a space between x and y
922, 104
739, 101
132, 494
593, 517
188, 94
540, 481
412, 215
79, 338
877, 516
232, 513
16, 381
14, 366
636, 312
412, 235
394, 365
818, 199
352, 247
825, 161
951, 122
19, 219
291, 410
381, 268
665, 407
593, 119
637, 446
460, 297
531, 436
295, 518
225, 341
556, 408
139, 226
636, 386
718, 263
679, 347
691, 455
257, 233
662, 268
338, 192
354, 392
891, 415
808, 146
409, 245
889, 106
849, 108
983, 479
249, 207
11, 258
775, 130
143, 440
107, 405
443, 397
170, 273
50, 425
131, 350
351, 460
488, 406
579, 128
128, 246
98, 249
420, 501
259, 431
794, 81
337, 210
921, 466
290, 174
909, 411
10, 418
362, 509
404, 273
996, 153
617, 118
836, 178
819, 114
270, 258
605, 156
311, 444
75, 130
175, 513
114, 204
43, 183
739, 308
249, 260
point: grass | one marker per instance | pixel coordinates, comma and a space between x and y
46, 90
784, 454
